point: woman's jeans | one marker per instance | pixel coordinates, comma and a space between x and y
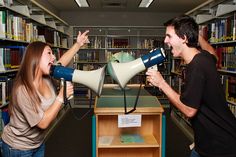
8, 151
194, 153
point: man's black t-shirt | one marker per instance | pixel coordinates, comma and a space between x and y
214, 124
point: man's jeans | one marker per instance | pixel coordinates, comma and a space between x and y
194, 153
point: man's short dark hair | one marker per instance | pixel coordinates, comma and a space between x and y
185, 26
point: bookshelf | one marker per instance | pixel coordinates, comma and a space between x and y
22, 22
113, 139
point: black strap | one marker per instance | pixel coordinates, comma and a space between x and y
136, 100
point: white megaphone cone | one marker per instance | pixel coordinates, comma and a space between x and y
92, 79
123, 72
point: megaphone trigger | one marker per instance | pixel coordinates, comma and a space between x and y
64, 83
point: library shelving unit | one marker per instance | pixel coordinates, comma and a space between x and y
136, 134
105, 41
217, 23
22, 22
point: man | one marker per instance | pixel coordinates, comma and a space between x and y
203, 99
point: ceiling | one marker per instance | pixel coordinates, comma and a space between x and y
180, 6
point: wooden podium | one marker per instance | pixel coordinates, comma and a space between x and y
136, 141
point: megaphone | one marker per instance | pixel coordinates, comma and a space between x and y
123, 72
92, 79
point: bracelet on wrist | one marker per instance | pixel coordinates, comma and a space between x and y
59, 99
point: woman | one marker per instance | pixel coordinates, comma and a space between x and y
34, 103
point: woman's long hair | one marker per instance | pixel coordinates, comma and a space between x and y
27, 73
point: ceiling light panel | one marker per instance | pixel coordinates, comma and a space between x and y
82, 3
145, 3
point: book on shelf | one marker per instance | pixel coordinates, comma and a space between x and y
5, 116
58, 52
2, 93
131, 138
56, 38
2, 24
6, 84
232, 108
231, 88
105, 140
64, 42
30, 32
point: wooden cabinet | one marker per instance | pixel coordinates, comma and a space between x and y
137, 141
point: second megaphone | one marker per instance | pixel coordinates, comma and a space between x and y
92, 79
123, 72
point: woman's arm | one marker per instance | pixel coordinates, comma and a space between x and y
81, 40
51, 113
205, 45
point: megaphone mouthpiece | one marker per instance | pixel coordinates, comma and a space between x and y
156, 56
58, 72
92, 79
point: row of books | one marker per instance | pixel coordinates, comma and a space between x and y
226, 58
117, 43
18, 28
220, 30
10, 57
90, 56
105, 56
150, 43
97, 42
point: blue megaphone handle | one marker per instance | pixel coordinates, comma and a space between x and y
156, 56
58, 72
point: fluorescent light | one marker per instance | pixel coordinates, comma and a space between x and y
82, 3
145, 3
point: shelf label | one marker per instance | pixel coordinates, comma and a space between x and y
129, 121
